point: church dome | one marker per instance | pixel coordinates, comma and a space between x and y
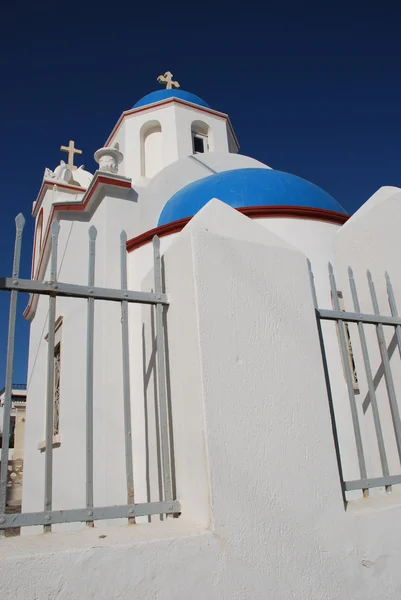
247, 187
164, 94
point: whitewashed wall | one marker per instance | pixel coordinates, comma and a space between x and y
69, 466
262, 511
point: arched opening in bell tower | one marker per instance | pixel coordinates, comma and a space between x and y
151, 149
200, 133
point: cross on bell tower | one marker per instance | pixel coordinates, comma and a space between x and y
167, 79
71, 150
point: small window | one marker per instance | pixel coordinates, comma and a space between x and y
56, 393
351, 360
56, 382
199, 143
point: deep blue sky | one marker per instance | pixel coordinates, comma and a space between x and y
311, 88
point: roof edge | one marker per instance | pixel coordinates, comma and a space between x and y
253, 212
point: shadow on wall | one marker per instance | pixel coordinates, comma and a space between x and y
153, 453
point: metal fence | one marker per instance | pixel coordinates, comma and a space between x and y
53, 289
342, 318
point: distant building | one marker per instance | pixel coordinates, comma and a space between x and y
16, 443
17, 428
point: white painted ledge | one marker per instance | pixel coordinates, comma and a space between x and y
101, 536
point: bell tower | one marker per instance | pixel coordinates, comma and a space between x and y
168, 125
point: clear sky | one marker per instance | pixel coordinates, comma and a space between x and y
313, 88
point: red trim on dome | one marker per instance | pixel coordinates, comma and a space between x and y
253, 212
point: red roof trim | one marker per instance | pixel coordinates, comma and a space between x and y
78, 207
253, 212
70, 188
38, 231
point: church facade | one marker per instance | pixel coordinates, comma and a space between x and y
266, 403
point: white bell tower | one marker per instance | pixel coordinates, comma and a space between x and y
164, 127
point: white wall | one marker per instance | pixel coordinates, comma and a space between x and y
52, 196
69, 467
262, 511
315, 239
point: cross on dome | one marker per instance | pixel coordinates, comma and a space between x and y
71, 150
167, 79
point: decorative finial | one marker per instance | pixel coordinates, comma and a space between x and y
167, 79
71, 151
109, 158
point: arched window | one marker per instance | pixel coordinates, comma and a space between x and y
200, 132
37, 244
151, 149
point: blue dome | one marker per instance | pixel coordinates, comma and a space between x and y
247, 187
165, 94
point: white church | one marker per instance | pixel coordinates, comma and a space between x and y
234, 408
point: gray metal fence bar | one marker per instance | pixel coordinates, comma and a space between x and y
367, 483
327, 379
55, 229
19, 224
312, 284
161, 376
89, 372
386, 367
348, 376
393, 308
81, 291
334, 315
81, 514
129, 467
369, 377
53, 288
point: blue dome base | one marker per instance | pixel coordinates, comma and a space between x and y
247, 187
164, 94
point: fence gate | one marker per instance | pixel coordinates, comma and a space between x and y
54, 289
362, 320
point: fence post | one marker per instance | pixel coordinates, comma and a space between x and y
48, 503
19, 224
161, 376
129, 466
348, 377
386, 367
89, 375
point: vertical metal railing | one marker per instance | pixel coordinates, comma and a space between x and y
369, 378
89, 375
161, 377
342, 317
395, 414
129, 465
393, 309
19, 224
348, 377
327, 377
48, 503
53, 288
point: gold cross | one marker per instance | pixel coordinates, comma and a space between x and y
71, 151
167, 78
